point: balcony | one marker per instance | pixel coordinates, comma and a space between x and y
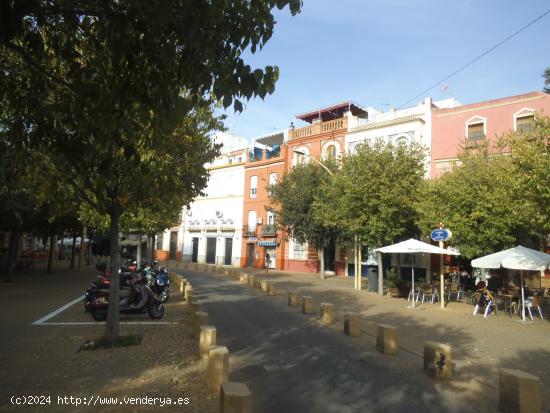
318, 128
249, 230
269, 230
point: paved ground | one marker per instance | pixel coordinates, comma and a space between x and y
294, 364
42, 360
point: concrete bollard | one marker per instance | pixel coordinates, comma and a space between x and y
200, 319
519, 392
327, 313
271, 288
227, 271
264, 284
438, 360
235, 398
293, 299
257, 283
308, 306
244, 278
386, 340
217, 369
352, 325
187, 290
183, 283
207, 339
251, 279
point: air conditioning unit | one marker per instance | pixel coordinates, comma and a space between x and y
259, 221
219, 214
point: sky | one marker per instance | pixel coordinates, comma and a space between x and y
382, 53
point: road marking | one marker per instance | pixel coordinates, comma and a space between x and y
101, 323
56, 312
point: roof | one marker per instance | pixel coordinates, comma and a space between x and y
271, 140
332, 112
508, 99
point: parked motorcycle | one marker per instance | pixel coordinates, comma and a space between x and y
137, 299
158, 281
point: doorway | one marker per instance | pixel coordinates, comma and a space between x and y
195, 253
272, 251
211, 250
250, 255
228, 251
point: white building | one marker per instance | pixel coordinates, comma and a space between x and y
409, 125
211, 228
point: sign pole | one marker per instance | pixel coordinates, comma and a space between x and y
441, 278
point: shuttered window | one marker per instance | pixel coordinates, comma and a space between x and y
476, 132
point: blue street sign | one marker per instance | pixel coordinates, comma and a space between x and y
440, 234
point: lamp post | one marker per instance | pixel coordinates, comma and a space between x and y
357, 265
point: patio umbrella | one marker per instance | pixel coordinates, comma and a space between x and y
517, 258
414, 246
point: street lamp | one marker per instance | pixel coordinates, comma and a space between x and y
316, 161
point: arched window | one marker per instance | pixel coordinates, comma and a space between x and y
300, 155
331, 150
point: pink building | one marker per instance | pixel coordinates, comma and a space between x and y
464, 126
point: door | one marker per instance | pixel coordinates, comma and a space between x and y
228, 251
272, 257
330, 256
195, 253
250, 255
173, 244
211, 250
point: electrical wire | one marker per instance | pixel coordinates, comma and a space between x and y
477, 58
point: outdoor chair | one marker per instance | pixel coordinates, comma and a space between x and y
536, 303
456, 290
430, 293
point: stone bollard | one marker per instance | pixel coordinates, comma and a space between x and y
207, 339
264, 284
519, 392
438, 360
386, 340
352, 325
187, 290
293, 299
271, 289
308, 306
227, 271
201, 318
244, 278
217, 369
183, 283
235, 398
251, 279
327, 313
257, 283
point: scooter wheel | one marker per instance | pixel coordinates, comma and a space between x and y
156, 311
164, 296
99, 314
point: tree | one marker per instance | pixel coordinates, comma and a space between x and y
120, 94
546, 76
292, 199
373, 193
495, 197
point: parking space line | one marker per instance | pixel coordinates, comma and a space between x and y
101, 323
56, 312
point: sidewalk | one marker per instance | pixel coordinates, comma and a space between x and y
480, 346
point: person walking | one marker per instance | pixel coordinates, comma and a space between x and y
267, 262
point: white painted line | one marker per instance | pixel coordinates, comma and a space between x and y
101, 323
56, 312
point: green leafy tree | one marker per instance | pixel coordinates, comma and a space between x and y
292, 201
120, 94
373, 193
546, 76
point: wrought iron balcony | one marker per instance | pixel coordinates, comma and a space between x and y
269, 229
249, 230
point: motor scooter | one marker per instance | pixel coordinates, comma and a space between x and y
139, 300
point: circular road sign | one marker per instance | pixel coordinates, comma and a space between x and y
441, 234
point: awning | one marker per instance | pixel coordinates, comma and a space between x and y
267, 243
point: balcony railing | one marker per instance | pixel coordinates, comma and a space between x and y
269, 229
249, 229
317, 128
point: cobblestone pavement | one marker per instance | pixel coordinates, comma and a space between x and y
480, 346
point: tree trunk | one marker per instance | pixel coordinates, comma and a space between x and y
12, 255
380, 274
138, 251
153, 247
73, 250
53, 240
359, 262
322, 262
112, 329
81, 251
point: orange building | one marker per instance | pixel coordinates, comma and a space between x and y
262, 242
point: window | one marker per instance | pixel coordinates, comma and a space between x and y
270, 218
300, 156
272, 181
298, 251
159, 241
476, 131
251, 222
525, 123
476, 128
330, 152
253, 186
